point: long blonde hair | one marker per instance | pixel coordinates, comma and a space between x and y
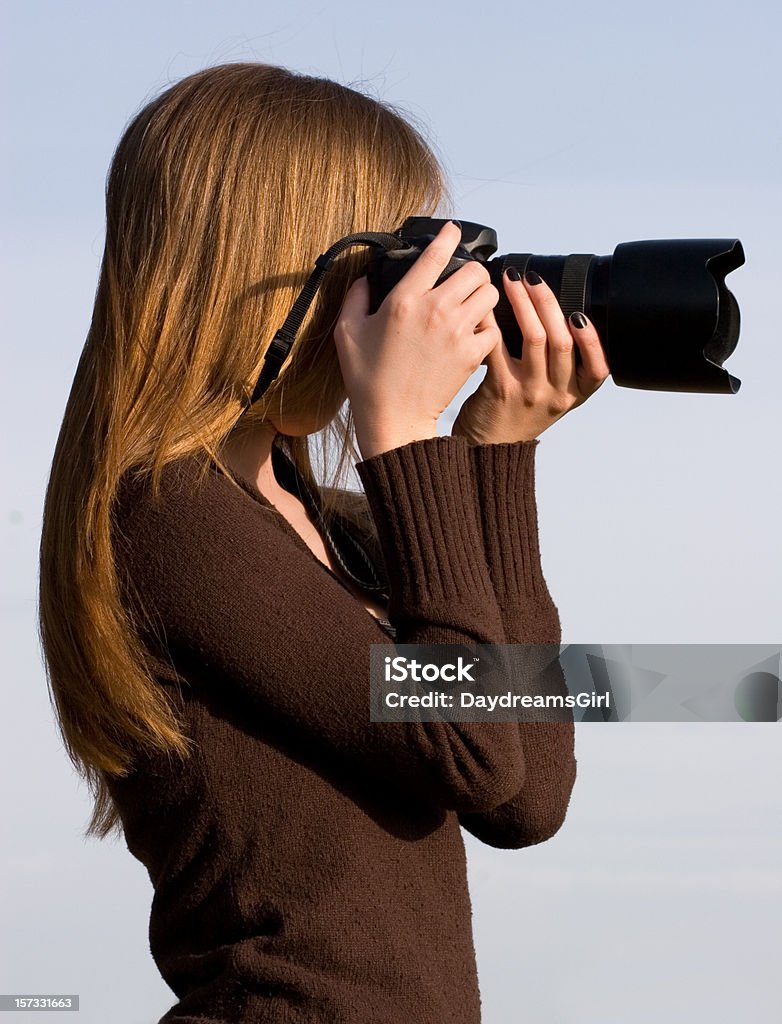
222, 192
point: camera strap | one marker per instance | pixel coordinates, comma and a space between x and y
284, 338
338, 534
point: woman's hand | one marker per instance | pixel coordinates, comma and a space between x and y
403, 365
520, 398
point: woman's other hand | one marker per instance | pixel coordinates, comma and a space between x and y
520, 398
403, 365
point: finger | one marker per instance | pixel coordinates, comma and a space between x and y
502, 370
594, 366
489, 343
561, 359
480, 303
488, 321
533, 349
463, 282
423, 274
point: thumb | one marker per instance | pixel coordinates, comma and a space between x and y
356, 305
493, 358
499, 366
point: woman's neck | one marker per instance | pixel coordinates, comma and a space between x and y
249, 453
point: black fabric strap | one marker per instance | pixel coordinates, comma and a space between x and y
283, 340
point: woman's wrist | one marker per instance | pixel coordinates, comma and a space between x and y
377, 439
515, 435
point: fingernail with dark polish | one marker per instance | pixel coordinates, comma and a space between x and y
513, 273
578, 320
532, 278
458, 223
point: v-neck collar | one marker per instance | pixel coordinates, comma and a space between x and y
252, 490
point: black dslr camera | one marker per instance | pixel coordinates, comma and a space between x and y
665, 318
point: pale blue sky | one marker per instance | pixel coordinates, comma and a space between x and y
569, 128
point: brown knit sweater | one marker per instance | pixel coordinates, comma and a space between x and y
308, 864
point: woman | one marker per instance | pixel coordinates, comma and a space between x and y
208, 607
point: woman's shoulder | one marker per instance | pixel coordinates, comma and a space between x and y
181, 479
189, 502
191, 542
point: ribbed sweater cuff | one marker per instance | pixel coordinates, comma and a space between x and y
425, 506
505, 483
